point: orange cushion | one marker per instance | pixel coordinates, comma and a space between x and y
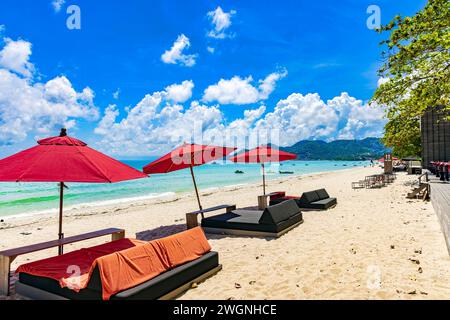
185, 246
123, 264
128, 268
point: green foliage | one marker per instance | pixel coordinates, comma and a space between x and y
369, 148
417, 69
403, 135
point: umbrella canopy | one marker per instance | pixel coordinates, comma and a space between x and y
262, 155
64, 159
188, 156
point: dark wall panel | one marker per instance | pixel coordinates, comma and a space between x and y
435, 136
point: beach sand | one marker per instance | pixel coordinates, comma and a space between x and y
375, 244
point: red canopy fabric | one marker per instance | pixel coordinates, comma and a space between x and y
64, 159
186, 156
263, 154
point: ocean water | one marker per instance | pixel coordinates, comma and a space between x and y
35, 198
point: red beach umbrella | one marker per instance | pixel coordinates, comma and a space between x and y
188, 156
262, 155
64, 159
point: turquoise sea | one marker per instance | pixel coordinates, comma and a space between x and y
35, 198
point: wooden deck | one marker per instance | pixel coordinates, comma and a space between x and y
440, 198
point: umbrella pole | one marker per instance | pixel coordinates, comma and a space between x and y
264, 178
61, 234
196, 190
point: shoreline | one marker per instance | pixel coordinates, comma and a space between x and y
165, 197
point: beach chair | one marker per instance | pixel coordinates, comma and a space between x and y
125, 269
375, 181
361, 184
390, 177
273, 221
317, 200
312, 200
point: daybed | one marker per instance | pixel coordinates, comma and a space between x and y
274, 221
122, 269
315, 200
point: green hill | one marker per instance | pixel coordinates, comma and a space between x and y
369, 148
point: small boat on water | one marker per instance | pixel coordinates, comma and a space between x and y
239, 172
286, 172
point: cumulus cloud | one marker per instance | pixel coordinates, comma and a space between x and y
239, 90
267, 86
236, 90
57, 5
176, 56
156, 125
15, 56
303, 117
220, 21
153, 126
211, 49
28, 107
180, 92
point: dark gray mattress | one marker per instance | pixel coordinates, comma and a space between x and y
248, 222
318, 205
152, 289
323, 204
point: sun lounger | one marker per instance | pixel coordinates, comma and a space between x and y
160, 269
273, 221
361, 184
315, 200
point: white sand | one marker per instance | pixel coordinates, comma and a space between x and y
375, 244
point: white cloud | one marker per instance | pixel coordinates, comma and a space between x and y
156, 125
2, 28
15, 56
116, 94
220, 21
302, 117
152, 127
176, 56
57, 5
180, 92
267, 86
28, 107
239, 90
211, 49
382, 80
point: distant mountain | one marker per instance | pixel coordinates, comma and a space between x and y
369, 148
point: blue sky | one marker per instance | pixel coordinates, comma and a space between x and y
284, 66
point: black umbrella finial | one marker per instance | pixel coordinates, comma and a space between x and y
63, 132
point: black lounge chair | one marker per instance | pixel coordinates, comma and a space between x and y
314, 200
167, 285
274, 221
